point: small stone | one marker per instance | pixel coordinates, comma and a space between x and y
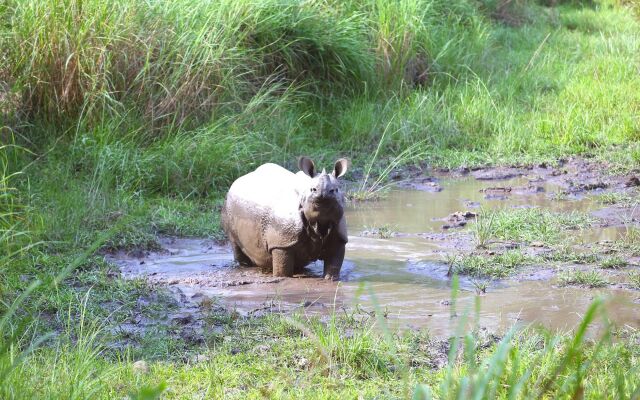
537, 244
201, 358
302, 362
112, 273
140, 367
588, 186
633, 181
262, 349
182, 318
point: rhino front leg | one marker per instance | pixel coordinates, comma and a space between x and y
283, 262
333, 263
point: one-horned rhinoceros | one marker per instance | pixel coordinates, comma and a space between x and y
281, 221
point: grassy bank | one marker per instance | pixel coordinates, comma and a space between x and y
139, 107
293, 356
123, 120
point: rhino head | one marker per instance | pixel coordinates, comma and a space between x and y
321, 197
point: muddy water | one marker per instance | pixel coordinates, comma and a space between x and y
403, 276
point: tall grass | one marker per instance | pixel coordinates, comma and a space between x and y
167, 65
123, 101
14, 224
71, 367
180, 98
560, 367
172, 62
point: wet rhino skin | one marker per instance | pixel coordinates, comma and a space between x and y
264, 219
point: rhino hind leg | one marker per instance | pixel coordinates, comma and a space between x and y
283, 262
239, 255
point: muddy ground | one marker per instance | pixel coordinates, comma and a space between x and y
399, 257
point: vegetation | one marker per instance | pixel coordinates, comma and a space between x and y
495, 266
590, 279
120, 121
383, 232
526, 225
634, 279
569, 255
297, 356
620, 199
614, 263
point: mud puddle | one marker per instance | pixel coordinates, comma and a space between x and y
396, 264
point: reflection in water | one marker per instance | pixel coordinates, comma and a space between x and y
405, 275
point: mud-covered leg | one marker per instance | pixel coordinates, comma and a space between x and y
239, 255
283, 263
333, 263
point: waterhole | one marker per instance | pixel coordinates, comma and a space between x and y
397, 266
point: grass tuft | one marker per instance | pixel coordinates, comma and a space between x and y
494, 266
526, 225
614, 263
590, 279
634, 279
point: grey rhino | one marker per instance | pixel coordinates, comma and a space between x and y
281, 221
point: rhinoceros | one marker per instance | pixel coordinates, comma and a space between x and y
281, 221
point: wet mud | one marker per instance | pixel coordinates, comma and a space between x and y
396, 260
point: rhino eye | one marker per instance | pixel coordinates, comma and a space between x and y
332, 191
314, 190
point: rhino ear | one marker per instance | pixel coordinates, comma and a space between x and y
306, 165
340, 168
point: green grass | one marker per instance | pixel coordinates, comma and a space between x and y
630, 240
566, 254
183, 109
590, 279
614, 263
500, 265
298, 356
526, 225
634, 279
121, 121
383, 232
625, 199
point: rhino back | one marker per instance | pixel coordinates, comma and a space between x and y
265, 186
261, 212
